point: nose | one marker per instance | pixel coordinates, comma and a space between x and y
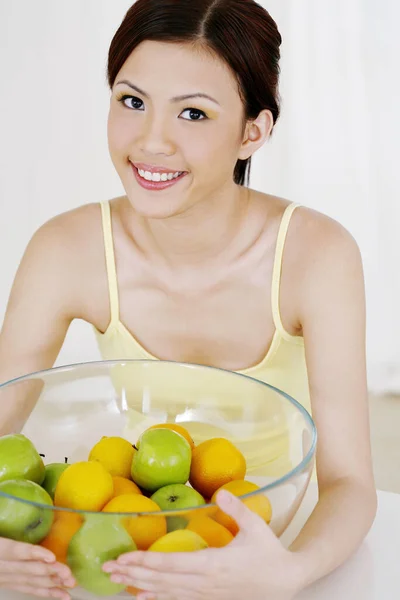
155, 138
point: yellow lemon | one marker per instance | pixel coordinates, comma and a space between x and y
181, 540
84, 486
115, 454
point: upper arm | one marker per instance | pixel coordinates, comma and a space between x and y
40, 306
61, 278
40, 309
333, 320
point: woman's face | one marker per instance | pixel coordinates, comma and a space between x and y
153, 128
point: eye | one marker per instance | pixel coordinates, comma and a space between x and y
131, 102
134, 103
195, 114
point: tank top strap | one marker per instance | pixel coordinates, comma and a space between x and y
110, 260
277, 271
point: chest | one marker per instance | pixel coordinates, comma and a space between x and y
228, 324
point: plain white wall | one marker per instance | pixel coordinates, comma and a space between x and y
336, 92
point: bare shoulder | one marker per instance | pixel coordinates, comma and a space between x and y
70, 241
68, 232
51, 288
318, 242
320, 259
324, 264
62, 254
312, 235
317, 230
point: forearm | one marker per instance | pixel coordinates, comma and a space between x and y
19, 399
335, 529
16, 404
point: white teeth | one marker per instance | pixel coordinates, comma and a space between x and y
158, 176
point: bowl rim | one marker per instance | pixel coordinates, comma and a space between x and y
173, 512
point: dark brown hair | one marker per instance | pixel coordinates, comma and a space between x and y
241, 32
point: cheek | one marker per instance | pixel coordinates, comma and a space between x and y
120, 134
218, 146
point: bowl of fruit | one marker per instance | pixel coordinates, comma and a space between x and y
103, 458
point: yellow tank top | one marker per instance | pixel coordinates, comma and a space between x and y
284, 366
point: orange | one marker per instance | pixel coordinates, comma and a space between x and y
115, 454
84, 486
214, 463
133, 590
258, 504
175, 427
145, 529
65, 525
124, 486
215, 534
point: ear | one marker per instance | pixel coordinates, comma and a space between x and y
257, 132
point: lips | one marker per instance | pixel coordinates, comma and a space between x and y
153, 169
156, 185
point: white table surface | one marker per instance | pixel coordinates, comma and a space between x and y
373, 573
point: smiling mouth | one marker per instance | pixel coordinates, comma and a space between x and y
157, 180
157, 176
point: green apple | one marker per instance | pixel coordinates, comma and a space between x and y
163, 457
20, 459
101, 538
53, 473
177, 497
23, 520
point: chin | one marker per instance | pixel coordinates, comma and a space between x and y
151, 204
151, 207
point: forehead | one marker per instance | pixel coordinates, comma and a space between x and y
173, 69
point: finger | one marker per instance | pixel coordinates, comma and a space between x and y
199, 561
9, 579
246, 519
155, 587
11, 550
137, 573
58, 571
154, 581
34, 568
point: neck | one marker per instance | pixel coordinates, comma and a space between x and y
207, 230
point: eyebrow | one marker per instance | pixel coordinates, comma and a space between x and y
175, 99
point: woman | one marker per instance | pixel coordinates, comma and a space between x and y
192, 265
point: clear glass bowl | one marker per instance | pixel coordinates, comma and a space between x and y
65, 411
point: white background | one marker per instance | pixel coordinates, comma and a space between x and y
335, 148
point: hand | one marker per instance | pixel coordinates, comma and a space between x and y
254, 565
33, 570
